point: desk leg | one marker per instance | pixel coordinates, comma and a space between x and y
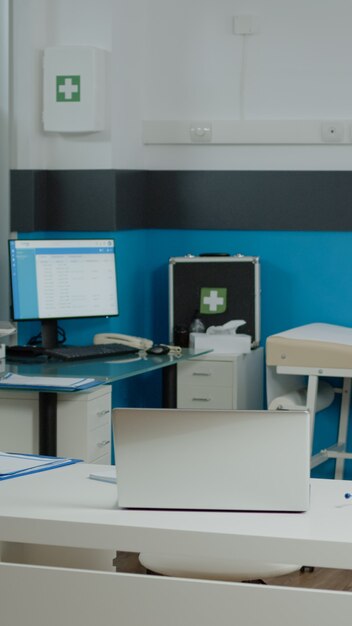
47, 422
169, 387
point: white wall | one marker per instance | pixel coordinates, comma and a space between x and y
296, 67
128, 50
181, 61
36, 25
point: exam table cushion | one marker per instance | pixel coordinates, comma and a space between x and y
313, 345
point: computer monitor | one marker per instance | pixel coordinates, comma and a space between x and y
61, 279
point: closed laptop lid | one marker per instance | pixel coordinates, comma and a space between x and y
212, 460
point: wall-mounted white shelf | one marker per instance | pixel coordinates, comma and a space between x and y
247, 131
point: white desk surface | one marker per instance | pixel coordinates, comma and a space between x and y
64, 507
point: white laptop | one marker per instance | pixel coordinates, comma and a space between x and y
212, 460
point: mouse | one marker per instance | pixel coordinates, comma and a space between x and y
158, 349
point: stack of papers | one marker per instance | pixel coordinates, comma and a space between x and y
13, 465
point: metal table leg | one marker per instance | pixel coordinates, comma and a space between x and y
47, 422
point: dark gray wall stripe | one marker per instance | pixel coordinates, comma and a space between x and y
250, 200
78, 200
93, 200
28, 199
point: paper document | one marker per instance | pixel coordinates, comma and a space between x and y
107, 475
13, 465
63, 382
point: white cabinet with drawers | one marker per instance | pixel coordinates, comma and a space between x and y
221, 381
83, 432
83, 424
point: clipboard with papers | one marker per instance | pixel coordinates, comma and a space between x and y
13, 465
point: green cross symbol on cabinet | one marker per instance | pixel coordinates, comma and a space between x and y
213, 300
68, 88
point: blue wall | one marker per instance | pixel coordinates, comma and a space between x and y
305, 277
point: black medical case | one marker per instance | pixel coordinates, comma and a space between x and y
215, 289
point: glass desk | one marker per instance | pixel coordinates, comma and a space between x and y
107, 370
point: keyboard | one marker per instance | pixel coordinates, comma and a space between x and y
24, 353
77, 353
67, 353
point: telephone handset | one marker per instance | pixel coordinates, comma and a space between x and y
126, 340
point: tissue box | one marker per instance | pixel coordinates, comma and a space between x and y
230, 344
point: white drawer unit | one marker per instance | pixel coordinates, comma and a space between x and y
221, 381
83, 424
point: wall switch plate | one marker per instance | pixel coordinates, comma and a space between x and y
332, 132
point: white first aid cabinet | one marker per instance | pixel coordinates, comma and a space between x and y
74, 89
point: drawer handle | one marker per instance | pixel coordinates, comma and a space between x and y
103, 412
201, 399
102, 444
201, 373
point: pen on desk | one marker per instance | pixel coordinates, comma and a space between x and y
348, 495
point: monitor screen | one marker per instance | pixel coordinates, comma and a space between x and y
58, 279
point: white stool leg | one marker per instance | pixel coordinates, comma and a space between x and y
343, 425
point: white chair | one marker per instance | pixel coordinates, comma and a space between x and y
230, 569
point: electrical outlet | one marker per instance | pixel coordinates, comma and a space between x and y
201, 132
332, 132
245, 24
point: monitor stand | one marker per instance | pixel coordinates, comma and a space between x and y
48, 399
49, 333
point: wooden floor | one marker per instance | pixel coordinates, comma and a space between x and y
320, 578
